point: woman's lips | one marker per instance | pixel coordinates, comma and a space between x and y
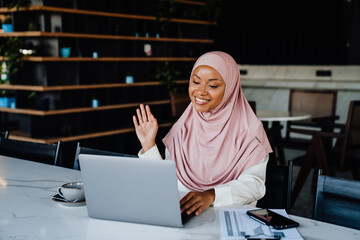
201, 101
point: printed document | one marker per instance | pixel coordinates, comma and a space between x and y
236, 224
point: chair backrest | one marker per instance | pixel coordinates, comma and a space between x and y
179, 102
338, 201
353, 124
86, 150
278, 187
252, 105
352, 133
318, 103
37, 152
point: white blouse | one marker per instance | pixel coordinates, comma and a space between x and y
247, 189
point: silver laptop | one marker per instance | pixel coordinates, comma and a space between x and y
131, 190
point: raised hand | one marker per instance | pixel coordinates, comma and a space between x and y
146, 127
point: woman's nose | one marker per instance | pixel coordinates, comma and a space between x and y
202, 90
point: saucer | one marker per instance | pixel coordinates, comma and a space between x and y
59, 199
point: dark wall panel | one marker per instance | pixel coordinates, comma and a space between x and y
290, 32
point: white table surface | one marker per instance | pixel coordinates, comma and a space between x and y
27, 212
266, 115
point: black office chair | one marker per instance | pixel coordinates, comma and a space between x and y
6, 135
345, 155
179, 101
37, 152
86, 150
338, 201
278, 187
253, 105
320, 104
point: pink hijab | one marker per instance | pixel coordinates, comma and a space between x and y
215, 147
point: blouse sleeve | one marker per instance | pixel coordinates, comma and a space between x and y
152, 153
247, 189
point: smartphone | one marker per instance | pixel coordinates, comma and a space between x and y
267, 238
276, 237
272, 219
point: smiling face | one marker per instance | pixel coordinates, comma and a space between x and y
206, 88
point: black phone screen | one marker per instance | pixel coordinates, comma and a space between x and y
272, 219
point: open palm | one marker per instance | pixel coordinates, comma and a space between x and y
146, 127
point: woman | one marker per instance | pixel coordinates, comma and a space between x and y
219, 146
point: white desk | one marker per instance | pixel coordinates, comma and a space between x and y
27, 212
271, 116
274, 132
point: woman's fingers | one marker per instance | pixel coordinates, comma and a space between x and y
150, 117
192, 205
138, 113
195, 208
153, 119
185, 199
187, 202
143, 113
135, 122
197, 201
146, 127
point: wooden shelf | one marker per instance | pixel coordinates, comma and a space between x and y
102, 36
103, 14
190, 2
21, 137
80, 87
107, 59
81, 27
79, 110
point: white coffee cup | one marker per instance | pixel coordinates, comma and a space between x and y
72, 192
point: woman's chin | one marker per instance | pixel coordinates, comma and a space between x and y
201, 108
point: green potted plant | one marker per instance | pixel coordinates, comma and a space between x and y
38, 102
18, 3
165, 12
212, 10
166, 75
12, 58
179, 97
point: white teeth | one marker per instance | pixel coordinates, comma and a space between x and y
200, 100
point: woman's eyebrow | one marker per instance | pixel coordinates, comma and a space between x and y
197, 76
211, 79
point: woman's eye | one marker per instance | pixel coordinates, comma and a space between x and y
195, 82
213, 86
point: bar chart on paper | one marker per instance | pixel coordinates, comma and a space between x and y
236, 224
